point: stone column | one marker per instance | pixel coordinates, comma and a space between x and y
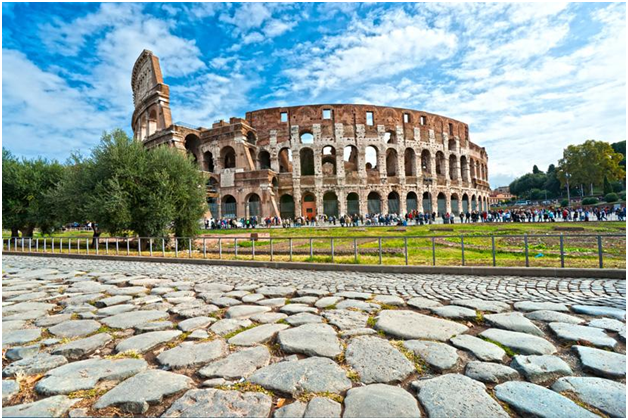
342, 202
296, 193
403, 203
435, 202
448, 203
384, 202
446, 170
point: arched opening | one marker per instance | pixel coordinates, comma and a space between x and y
286, 206
426, 162
350, 159
263, 159
329, 161
307, 161
390, 137
228, 157
393, 203
307, 138
212, 185
353, 204
440, 164
208, 161
192, 145
152, 123
472, 168
409, 162
427, 203
229, 207
253, 207
474, 203
411, 201
465, 203
285, 160
309, 205
391, 162
251, 137
455, 204
370, 156
453, 167
275, 182
143, 128
212, 206
374, 203
441, 201
330, 204
452, 145
464, 167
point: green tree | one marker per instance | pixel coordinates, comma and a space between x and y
124, 187
25, 187
536, 170
620, 147
587, 164
607, 186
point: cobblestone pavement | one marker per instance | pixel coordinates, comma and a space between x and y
105, 338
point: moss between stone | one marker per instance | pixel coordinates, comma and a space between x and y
239, 330
417, 361
307, 396
510, 352
87, 393
129, 354
371, 321
245, 386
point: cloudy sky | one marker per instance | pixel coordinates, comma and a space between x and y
529, 79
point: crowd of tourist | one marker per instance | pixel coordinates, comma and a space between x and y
540, 215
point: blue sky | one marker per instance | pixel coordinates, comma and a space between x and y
528, 78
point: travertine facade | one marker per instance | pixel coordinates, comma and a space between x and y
320, 159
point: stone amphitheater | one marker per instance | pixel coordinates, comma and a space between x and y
311, 160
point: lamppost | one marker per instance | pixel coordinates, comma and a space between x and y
567, 175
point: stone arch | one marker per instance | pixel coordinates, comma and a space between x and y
472, 168
455, 204
464, 166
465, 203
393, 203
308, 206
330, 204
474, 203
229, 207
391, 162
409, 162
374, 203
285, 160
263, 159
427, 202
453, 167
350, 159
390, 137
371, 157
286, 206
208, 161
228, 157
253, 205
192, 146
441, 202
411, 201
451, 146
251, 137
306, 138
306, 156
426, 162
152, 122
353, 203
440, 163
389, 117
328, 161
212, 185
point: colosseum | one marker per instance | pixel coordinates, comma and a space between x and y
328, 159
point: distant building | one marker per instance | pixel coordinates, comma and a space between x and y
500, 195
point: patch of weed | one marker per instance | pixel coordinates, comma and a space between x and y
307, 396
239, 330
245, 386
510, 352
371, 321
129, 354
417, 361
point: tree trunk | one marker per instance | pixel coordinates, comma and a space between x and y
15, 232
27, 232
96, 236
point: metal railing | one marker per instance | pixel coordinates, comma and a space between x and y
476, 250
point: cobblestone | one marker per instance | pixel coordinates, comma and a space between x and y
238, 340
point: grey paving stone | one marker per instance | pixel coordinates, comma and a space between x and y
258, 335
56, 406
619, 314
554, 316
314, 374
28, 315
226, 326
294, 410
354, 295
310, 339
189, 354
272, 303
268, 317
439, 356
296, 308
132, 319
454, 312
107, 311
245, 311
12, 338
312, 292
513, 321
309, 300
607, 324
482, 305
410, 325
10, 326
492, 373
77, 349
607, 396
482, 349
321, 407
216, 403
276, 291
86, 374
135, 394
376, 360
541, 369
71, 329
327, 302
455, 395
144, 342
379, 400
9, 389
113, 300
520, 342
601, 362
303, 318
49, 320
357, 304
224, 302
153, 326
26, 307
39, 363
389, 300
357, 332
533, 400
570, 332
252, 298
192, 324
18, 353
213, 287
237, 365
345, 319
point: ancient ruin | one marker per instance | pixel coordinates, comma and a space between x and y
328, 159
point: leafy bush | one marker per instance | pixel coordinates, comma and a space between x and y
564, 203
623, 195
589, 200
611, 197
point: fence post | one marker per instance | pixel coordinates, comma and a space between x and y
163, 247
562, 252
433, 251
379, 247
493, 247
220, 248
311, 250
45, 245
332, 249
235, 242
355, 250
190, 247
97, 245
599, 251
23, 244
205, 248
150, 246
69, 245
128, 246
525, 241
176, 247
30, 244
462, 248
107, 246
290, 241
117, 247
15, 244
405, 247
271, 249
86, 246
252, 249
